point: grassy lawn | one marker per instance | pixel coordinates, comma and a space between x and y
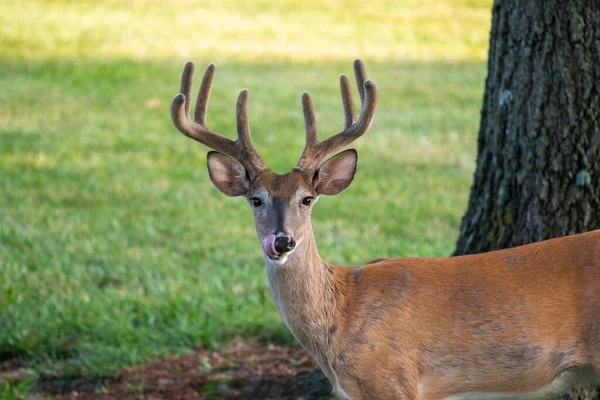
115, 247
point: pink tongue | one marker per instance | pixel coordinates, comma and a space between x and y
268, 245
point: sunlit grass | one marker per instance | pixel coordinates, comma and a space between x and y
114, 245
247, 30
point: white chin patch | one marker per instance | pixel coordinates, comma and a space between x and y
277, 261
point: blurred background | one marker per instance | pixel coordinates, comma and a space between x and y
115, 248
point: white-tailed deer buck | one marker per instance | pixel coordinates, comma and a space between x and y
522, 323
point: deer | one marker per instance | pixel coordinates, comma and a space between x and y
519, 323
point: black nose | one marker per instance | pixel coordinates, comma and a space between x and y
284, 244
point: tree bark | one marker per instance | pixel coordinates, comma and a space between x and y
538, 159
538, 164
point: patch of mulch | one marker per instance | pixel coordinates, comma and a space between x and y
12, 367
246, 371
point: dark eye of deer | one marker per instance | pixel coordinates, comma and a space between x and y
307, 201
256, 202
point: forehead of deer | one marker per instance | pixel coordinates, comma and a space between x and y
283, 186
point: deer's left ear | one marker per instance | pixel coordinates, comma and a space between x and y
336, 174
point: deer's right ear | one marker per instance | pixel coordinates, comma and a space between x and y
227, 174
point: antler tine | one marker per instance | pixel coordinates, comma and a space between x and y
243, 129
187, 79
241, 113
203, 94
361, 77
241, 149
315, 151
348, 103
309, 120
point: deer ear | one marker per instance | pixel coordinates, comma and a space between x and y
227, 174
336, 174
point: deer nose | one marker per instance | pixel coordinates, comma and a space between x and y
284, 244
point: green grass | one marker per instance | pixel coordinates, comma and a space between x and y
114, 245
20, 390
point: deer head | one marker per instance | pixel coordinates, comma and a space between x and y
281, 204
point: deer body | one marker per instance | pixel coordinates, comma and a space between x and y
512, 323
521, 323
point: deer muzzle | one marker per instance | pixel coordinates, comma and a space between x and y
276, 246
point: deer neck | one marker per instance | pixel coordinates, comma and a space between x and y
304, 293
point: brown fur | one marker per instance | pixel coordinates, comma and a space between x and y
505, 321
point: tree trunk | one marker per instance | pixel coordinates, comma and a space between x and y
538, 164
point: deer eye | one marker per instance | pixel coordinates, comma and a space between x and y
307, 201
256, 202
